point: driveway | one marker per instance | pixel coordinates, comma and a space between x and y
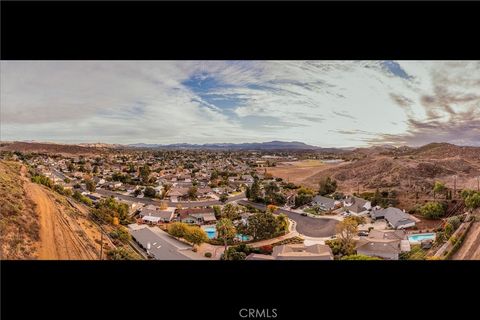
310, 227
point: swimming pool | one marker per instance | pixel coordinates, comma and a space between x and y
421, 236
212, 234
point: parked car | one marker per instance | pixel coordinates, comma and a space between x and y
363, 233
304, 214
333, 237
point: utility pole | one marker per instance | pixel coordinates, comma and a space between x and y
101, 243
454, 187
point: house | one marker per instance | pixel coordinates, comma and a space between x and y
324, 203
196, 215
115, 184
356, 205
158, 244
177, 193
385, 249
156, 216
395, 217
386, 244
296, 252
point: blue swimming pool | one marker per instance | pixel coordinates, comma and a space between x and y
421, 236
212, 233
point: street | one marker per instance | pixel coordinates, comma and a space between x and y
311, 227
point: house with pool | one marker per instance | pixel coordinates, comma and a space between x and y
386, 244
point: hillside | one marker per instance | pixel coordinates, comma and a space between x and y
37, 223
420, 167
19, 225
51, 148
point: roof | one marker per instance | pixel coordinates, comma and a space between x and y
163, 214
208, 216
387, 234
161, 245
184, 213
377, 246
256, 256
302, 252
324, 201
397, 217
356, 204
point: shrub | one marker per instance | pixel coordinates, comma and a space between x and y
266, 249
177, 229
432, 210
208, 254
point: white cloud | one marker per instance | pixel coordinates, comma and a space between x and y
327, 103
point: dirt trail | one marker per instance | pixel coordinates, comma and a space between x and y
470, 249
58, 239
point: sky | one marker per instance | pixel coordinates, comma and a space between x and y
322, 103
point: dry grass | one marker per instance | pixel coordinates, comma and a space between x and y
19, 226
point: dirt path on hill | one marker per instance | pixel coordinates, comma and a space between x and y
58, 238
470, 249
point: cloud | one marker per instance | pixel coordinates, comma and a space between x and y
325, 103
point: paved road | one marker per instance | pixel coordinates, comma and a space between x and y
187, 204
311, 227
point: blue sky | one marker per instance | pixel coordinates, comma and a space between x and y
323, 103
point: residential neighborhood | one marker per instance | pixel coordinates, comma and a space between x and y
201, 204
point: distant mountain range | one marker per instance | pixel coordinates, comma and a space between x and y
272, 145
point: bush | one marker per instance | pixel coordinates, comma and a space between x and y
177, 229
208, 254
432, 210
266, 249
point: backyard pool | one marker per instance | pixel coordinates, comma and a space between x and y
421, 236
212, 234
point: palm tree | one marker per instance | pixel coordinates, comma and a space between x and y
225, 231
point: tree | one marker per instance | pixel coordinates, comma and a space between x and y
90, 185
432, 210
304, 196
473, 201
223, 198
283, 223
466, 192
248, 194
149, 192
120, 254
192, 193
439, 187
327, 186
71, 167
230, 211
145, 173
225, 231
346, 230
254, 190
177, 229
195, 236
218, 211
262, 226
121, 233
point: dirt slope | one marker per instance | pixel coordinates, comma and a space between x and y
61, 237
470, 249
58, 240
